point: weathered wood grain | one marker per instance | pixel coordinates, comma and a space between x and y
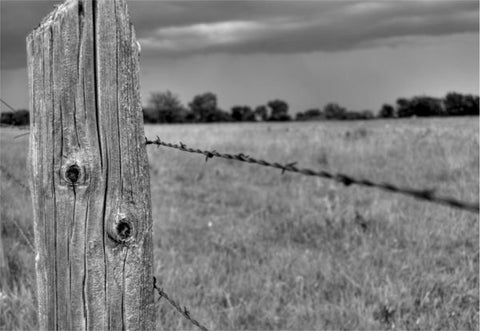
89, 177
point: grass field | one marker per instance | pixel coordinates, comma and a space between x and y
245, 247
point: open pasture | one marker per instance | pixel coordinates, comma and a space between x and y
245, 247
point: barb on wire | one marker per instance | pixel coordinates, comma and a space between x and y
184, 311
425, 194
289, 165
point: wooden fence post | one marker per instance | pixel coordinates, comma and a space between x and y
89, 172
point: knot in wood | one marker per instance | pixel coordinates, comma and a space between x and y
124, 229
72, 174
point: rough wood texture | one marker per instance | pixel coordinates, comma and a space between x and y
89, 173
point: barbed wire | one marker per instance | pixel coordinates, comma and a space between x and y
185, 312
423, 194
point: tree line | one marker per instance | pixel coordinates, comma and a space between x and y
166, 107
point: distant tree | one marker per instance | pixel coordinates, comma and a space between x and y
457, 104
358, 115
313, 113
472, 104
278, 110
454, 104
310, 115
21, 117
426, 106
403, 108
204, 107
219, 116
150, 115
237, 113
367, 114
261, 113
334, 111
351, 115
387, 111
242, 113
6, 118
300, 116
165, 107
190, 118
419, 106
249, 114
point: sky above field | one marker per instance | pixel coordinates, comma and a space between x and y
357, 53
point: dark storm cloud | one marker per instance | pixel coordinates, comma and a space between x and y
314, 26
17, 19
192, 27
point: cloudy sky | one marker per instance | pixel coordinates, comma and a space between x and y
357, 53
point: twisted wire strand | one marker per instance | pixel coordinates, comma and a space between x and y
185, 312
423, 194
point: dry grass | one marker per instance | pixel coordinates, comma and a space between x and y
245, 247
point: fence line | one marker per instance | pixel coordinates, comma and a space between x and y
423, 194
